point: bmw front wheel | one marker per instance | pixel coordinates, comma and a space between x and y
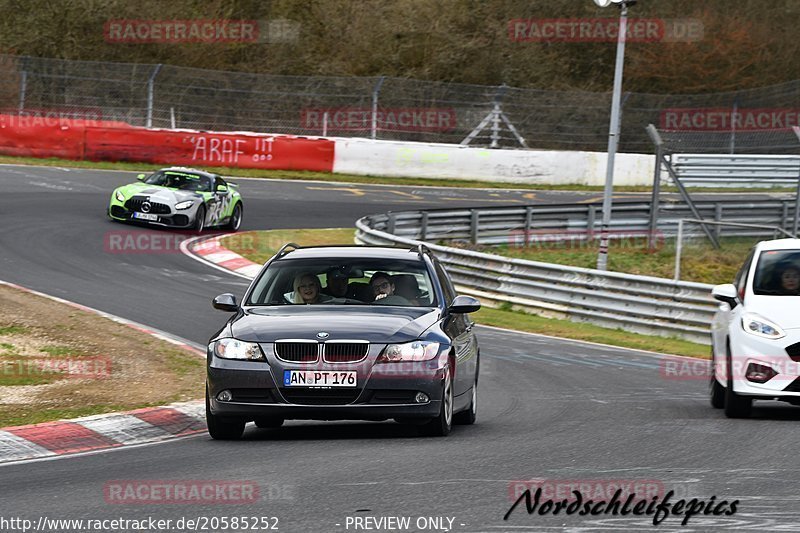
442, 424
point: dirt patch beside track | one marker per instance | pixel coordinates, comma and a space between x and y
57, 361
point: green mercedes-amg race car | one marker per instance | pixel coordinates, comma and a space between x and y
179, 198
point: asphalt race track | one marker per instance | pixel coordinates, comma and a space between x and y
548, 409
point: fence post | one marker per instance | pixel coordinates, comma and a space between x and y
391, 219
528, 224
23, 88
423, 230
473, 226
784, 214
375, 92
591, 215
656, 193
678, 250
717, 218
150, 83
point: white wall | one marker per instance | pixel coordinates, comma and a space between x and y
423, 160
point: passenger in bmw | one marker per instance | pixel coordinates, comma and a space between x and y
308, 289
383, 288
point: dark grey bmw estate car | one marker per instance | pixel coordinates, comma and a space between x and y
344, 333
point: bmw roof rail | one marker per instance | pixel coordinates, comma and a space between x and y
422, 249
285, 246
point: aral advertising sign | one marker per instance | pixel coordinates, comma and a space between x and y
725, 119
397, 119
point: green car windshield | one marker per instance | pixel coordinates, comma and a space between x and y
180, 180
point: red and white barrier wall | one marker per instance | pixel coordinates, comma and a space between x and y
97, 140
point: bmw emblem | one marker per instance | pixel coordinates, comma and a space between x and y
146, 207
323, 335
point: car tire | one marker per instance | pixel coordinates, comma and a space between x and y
223, 428
716, 392
736, 405
236, 218
268, 422
443, 423
199, 219
469, 415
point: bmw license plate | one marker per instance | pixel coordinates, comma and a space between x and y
145, 216
323, 378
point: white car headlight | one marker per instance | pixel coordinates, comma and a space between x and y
409, 351
119, 196
760, 326
186, 204
235, 349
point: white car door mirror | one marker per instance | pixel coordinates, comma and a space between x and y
726, 293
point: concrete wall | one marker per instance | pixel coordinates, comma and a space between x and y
423, 160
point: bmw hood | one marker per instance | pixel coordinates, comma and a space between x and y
373, 324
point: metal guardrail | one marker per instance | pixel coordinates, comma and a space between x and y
517, 226
721, 170
643, 304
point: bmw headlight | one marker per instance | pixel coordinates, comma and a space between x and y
119, 196
184, 205
409, 351
760, 326
236, 349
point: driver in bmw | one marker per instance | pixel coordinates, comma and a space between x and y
383, 289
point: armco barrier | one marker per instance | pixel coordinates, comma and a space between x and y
535, 224
116, 141
641, 304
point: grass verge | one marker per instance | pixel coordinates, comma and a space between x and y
700, 262
259, 246
520, 321
354, 178
60, 362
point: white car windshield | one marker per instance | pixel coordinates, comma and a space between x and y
778, 273
184, 181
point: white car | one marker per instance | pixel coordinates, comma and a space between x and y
755, 334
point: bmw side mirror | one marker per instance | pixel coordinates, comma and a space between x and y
464, 304
222, 188
141, 177
226, 302
726, 293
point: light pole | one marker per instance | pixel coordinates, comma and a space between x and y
613, 128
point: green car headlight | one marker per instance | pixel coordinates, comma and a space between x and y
119, 196
184, 205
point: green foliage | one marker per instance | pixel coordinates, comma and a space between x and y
745, 43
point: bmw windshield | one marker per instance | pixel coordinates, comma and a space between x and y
345, 281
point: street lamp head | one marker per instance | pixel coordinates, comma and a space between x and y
606, 3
